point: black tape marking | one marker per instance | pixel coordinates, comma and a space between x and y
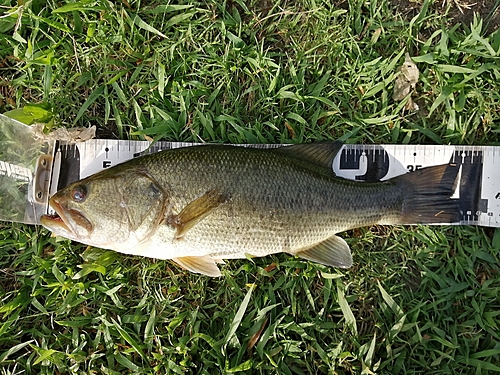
469, 187
70, 165
377, 163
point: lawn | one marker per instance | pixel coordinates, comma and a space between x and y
418, 300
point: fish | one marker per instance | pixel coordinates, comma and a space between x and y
201, 205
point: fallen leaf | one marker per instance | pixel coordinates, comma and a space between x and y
71, 135
406, 79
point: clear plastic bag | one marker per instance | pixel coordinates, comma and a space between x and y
25, 167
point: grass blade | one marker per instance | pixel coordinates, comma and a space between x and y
238, 318
124, 334
143, 25
91, 99
78, 6
179, 18
13, 350
390, 302
160, 9
346, 309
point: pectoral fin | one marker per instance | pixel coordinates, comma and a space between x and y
196, 211
204, 265
332, 252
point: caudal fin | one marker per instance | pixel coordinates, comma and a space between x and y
428, 193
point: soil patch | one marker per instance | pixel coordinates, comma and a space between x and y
459, 11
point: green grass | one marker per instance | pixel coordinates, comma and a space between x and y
419, 300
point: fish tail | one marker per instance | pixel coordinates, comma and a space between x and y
428, 194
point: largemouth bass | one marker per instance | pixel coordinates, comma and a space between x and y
199, 205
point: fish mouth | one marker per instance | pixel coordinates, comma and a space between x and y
65, 220
57, 220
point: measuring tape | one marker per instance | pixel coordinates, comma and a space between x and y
33, 167
478, 190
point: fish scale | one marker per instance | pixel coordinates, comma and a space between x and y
253, 221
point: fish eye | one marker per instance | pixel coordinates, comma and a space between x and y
79, 193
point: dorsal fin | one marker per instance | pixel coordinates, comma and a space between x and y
319, 153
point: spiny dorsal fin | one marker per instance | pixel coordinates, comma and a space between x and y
204, 265
319, 153
334, 251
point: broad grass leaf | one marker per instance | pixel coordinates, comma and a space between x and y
91, 99
43, 354
346, 309
126, 336
13, 350
179, 18
238, 318
143, 25
390, 302
161, 9
78, 6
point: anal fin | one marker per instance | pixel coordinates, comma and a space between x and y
205, 265
334, 252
